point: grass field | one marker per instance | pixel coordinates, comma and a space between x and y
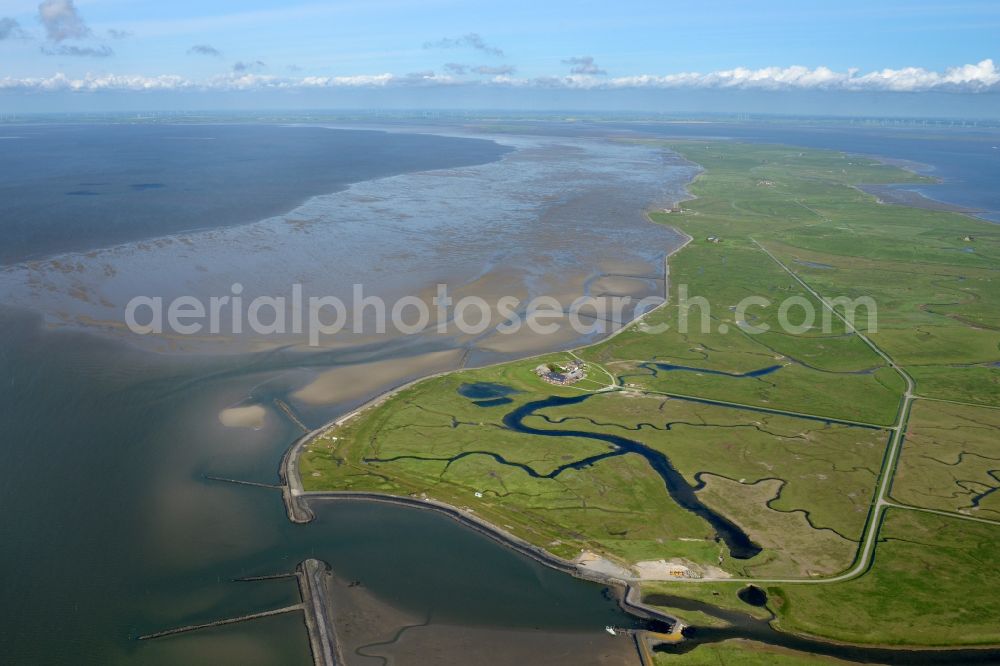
933, 583
719, 595
793, 457
740, 652
605, 507
800, 488
930, 585
938, 311
951, 459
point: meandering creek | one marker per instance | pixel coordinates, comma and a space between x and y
740, 624
739, 543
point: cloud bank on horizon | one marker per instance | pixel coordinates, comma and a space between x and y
981, 77
202, 50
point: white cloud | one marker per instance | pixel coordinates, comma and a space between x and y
92, 83
61, 20
205, 49
102, 51
584, 65
249, 66
973, 78
472, 40
10, 29
498, 70
361, 81
980, 77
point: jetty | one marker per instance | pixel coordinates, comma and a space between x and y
220, 623
290, 413
240, 482
315, 590
317, 603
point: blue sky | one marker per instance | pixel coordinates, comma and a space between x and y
485, 52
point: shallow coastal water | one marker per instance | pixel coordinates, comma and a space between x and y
116, 528
80, 187
115, 531
555, 217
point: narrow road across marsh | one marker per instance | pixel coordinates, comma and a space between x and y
880, 502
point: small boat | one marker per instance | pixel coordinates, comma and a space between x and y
611, 630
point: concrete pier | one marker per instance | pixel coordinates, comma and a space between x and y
317, 604
287, 410
238, 482
277, 576
220, 623
642, 646
315, 590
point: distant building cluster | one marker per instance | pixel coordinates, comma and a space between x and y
562, 375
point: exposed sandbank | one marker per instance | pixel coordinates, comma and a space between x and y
350, 382
250, 416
